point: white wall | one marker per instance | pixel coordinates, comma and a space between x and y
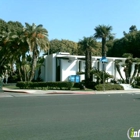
71, 68
67, 69
109, 66
42, 73
50, 68
82, 77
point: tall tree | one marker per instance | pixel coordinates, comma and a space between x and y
133, 28
63, 46
103, 32
87, 44
37, 38
14, 46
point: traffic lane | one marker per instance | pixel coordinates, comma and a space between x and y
68, 117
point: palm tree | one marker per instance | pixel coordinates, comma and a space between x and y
87, 44
37, 38
103, 32
136, 68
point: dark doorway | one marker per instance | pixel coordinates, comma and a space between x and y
58, 61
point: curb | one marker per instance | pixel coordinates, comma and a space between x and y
84, 93
74, 92
15, 91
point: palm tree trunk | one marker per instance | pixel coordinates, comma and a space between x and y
88, 66
19, 70
23, 65
87, 76
103, 47
24, 73
34, 62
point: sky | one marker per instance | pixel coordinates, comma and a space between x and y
73, 19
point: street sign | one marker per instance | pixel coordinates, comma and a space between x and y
104, 60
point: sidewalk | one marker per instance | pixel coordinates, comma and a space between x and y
40, 92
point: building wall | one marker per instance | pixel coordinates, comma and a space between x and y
68, 68
82, 77
71, 67
42, 73
109, 67
50, 68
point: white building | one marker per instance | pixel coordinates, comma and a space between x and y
59, 66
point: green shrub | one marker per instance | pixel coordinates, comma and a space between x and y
22, 85
137, 81
91, 85
109, 87
77, 85
49, 85
135, 86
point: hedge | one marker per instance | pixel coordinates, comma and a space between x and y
109, 87
42, 85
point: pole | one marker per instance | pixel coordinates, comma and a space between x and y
103, 76
104, 80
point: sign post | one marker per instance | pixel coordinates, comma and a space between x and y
103, 60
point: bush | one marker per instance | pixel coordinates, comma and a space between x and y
22, 85
137, 81
91, 85
77, 85
109, 87
49, 85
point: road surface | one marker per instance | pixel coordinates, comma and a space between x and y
69, 117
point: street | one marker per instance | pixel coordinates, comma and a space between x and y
69, 117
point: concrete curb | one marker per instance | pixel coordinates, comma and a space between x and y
70, 92
48, 92
15, 91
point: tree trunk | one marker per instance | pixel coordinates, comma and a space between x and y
128, 70
103, 47
103, 55
118, 69
23, 65
134, 73
24, 73
34, 61
19, 69
88, 66
126, 74
138, 71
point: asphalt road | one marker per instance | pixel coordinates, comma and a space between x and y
69, 117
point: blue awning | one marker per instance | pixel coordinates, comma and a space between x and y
104, 60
